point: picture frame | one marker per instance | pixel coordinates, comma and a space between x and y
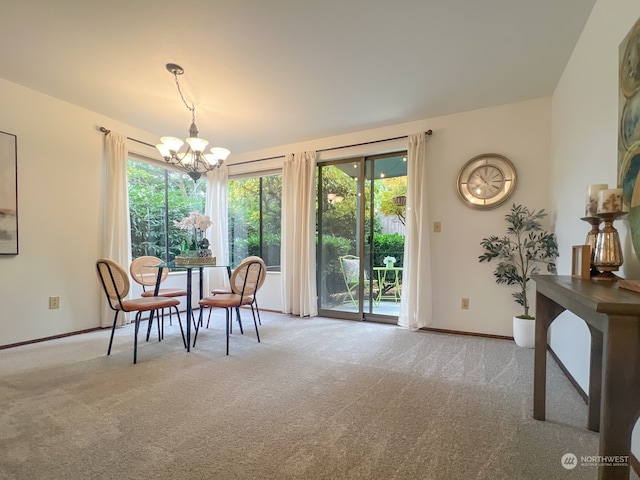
581, 261
8, 194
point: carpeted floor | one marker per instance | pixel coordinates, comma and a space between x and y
317, 399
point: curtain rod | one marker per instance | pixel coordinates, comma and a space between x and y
428, 132
107, 131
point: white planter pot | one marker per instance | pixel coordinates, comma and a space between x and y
524, 332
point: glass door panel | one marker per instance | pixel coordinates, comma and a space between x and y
360, 225
339, 202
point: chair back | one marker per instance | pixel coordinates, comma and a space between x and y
114, 280
350, 265
245, 279
263, 274
143, 272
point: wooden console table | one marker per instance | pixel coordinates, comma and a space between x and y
613, 317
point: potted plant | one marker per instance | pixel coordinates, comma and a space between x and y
525, 250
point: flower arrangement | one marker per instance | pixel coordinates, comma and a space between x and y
389, 261
198, 223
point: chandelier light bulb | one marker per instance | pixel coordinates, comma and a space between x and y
197, 144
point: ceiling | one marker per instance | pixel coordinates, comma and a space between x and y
264, 73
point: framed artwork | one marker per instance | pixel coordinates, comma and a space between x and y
629, 129
8, 194
581, 261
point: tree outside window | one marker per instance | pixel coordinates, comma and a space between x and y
157, 198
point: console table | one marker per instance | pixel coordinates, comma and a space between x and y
613, 317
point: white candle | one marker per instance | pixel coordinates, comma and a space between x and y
610, 200
592, 198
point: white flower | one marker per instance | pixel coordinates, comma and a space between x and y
388, 260
194, 221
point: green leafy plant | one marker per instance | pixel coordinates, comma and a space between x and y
522, 252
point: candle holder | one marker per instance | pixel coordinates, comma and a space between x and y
592, 236
608, 252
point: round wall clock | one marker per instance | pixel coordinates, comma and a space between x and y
486, 181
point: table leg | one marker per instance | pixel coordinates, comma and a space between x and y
546, 311
189, 310
620, 391
595, 379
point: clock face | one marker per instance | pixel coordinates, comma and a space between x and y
486, 181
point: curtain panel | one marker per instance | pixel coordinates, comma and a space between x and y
298, 243
116, 240
416, 307
216, 208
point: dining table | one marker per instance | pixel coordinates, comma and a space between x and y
172, 266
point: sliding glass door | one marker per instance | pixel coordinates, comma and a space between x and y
360, 237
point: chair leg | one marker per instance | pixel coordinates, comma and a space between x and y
199, 322
113, 330
135, 337
255, 323
184, 340
209, 318
150, 324
228, 318
239, 320
255, 300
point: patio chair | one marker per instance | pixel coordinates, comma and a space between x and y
350, 265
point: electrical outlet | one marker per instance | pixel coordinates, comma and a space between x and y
54, 302
437, 227
464, 304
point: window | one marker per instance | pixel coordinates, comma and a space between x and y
157, 197
255, 210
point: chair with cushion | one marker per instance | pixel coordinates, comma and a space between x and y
350, 265
227, 290
116, 285
144, 273
245, 280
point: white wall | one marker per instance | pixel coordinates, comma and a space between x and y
60, 158
584, 152
520, 131
60, 155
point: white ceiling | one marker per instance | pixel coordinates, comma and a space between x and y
264, 73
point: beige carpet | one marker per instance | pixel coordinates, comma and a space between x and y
317, 399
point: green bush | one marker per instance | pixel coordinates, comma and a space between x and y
388, 245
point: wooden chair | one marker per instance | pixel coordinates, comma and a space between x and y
144, 273
227, 290
245, 280
116, 285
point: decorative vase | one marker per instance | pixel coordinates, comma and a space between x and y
524, 332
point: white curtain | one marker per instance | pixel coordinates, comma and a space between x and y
216, 208
298, 245
116, 242
416, 309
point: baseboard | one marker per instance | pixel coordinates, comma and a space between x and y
38, 340
459, 332
573, 381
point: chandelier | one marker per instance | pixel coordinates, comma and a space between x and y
193, 160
